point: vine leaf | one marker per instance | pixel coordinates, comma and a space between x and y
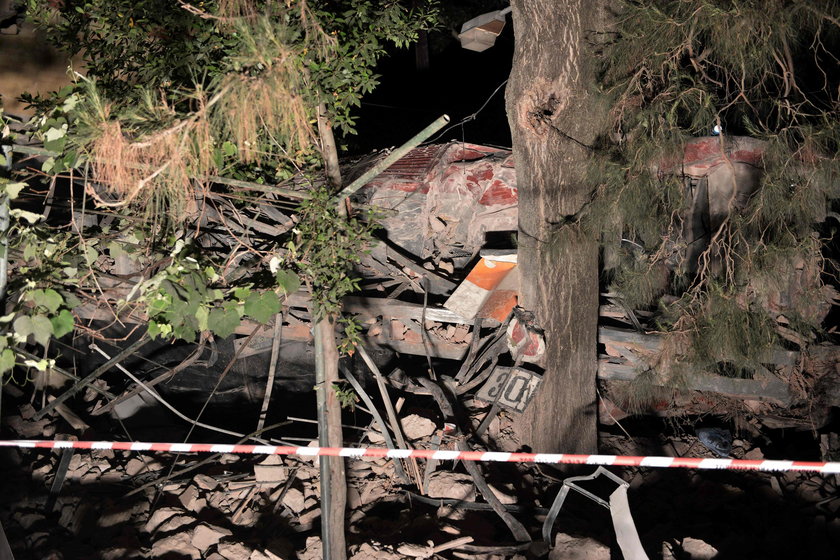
62, 323
38, 326
262, 307
48, 298
223, 322
288, 281
7, 360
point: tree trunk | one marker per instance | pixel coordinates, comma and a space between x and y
555, 115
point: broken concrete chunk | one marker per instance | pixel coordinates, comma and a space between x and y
159, 516
312, 550
294, 500
177, 544
175, 523
698, 550
270, 470
228, 458
309, 516
205, 482
456, 486
192, 500
416, 427
234, 551
115, 516
204, 536
134, 467
567, 547
368, 552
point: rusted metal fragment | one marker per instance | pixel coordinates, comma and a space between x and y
447, 198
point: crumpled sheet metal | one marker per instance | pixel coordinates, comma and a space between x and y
446, 198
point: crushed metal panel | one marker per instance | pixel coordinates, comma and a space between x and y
447, 197
468, 298
510, 388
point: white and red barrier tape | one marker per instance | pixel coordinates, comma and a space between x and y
442, 455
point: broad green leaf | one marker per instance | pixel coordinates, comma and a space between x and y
62, 323
48, 165
115, 249
42, 329
229, 148
202, 315
223, 322
22, 326
48, 298
91, 254
241, 293
7, 360
288, 281
262, 307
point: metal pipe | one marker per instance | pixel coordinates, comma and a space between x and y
371, 173
323, 438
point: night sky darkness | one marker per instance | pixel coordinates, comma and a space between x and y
458, 82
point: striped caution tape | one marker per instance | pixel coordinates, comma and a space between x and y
442, 455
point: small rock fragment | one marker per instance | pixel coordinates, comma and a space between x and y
457, 486
192, 500
134, 467
313, 549
697, 549
415, 427
204, 536
270, 470
234, 551
294, 500
205, 482
567, 547
179, 543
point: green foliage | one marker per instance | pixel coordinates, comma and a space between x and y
326, 247
187, 298
346, 396
760, 68
173, 93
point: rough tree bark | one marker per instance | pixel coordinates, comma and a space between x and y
555, 115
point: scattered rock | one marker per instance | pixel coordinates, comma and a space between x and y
368, 552
204, 536
115, 515
567, 547
417, 427
159, 516
310, 516
175, 523
27, 520
313, 549
506, 499
271, 470
754, 454
234, 551
457, 486
179, 543
294, 500
205, 482
192, 500
228, 458
698, 550
134, 467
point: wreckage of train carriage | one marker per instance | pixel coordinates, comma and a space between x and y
450, 215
